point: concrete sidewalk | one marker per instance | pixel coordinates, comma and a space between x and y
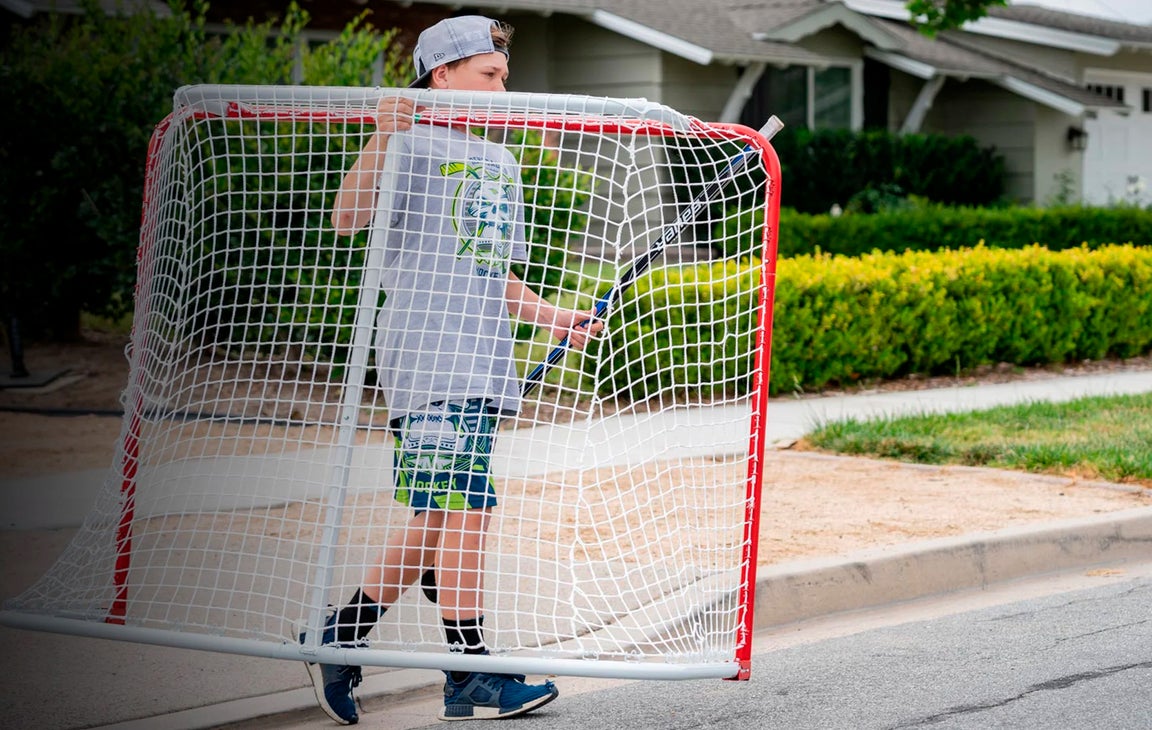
71, 682
62, 500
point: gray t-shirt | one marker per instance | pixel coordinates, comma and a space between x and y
444, 333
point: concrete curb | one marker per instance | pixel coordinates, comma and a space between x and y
808, 589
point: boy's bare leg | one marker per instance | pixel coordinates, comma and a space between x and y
460, 563
407, 554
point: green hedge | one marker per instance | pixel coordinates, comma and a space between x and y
939, 227
827, 167
840, 320
680, 329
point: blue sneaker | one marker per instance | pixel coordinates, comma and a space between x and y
483, 696
333, 683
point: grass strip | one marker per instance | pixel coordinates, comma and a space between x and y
1099, 437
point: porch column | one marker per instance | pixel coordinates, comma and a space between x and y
741, 92
923, 103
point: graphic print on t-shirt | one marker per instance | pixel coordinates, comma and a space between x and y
482, 213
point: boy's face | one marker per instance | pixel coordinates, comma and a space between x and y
485, 72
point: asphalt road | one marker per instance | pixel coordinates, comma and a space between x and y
1059, 654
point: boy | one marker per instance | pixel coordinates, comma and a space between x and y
444, 357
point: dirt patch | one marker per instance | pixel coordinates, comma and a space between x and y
819, 505
814, 504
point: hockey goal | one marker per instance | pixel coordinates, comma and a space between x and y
252, 485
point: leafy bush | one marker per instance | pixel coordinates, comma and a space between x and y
266, 265
928, 227
90, 89
828, 167
840, 320
296, 283
933, 227
686, 329
555, 199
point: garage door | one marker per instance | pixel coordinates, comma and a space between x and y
1118, 159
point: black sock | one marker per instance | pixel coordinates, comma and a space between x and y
357, 619
465, 636
428, 584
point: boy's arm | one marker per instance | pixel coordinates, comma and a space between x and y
525, 304
356, 200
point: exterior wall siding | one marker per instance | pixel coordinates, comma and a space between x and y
528, 66
996, 118
1056, 61
835, 42
1059, 169
585, 59
1126, 61
700, 91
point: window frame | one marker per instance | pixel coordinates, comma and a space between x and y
856, 91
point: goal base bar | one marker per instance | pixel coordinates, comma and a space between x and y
532, 665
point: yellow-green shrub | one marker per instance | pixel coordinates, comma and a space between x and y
839, 320
688, 329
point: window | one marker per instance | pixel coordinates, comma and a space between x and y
804, 97
1146, 107
1112, 91
783, 92
833, 99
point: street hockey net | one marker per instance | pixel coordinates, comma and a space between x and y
252, 484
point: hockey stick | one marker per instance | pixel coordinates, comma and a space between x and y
670, 233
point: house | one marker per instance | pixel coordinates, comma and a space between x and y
1065, 98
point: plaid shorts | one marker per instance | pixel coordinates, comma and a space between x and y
443, 456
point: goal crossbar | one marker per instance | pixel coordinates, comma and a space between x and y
352, 104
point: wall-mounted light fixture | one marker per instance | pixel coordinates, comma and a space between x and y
1077, 139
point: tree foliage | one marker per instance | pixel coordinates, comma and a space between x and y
86, 92
932, 16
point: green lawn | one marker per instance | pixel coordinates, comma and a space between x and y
1106, 438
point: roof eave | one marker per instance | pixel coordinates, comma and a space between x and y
826, 17
1000, 28
652, 37
900, 62
1050, 37
1050, 99
777, 60
1030, 91
19, 7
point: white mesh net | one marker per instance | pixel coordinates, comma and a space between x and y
254, 482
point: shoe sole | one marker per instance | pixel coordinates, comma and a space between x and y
479, 712
318, 689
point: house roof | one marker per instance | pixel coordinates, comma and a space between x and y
716, 26
952, 56
742, 31
1036, 25
1127, 33
28, 8
793, 20
771, 31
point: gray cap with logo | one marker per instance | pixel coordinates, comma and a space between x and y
451, 40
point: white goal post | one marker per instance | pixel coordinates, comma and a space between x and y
253, 482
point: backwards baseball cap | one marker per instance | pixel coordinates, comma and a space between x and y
451, 40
